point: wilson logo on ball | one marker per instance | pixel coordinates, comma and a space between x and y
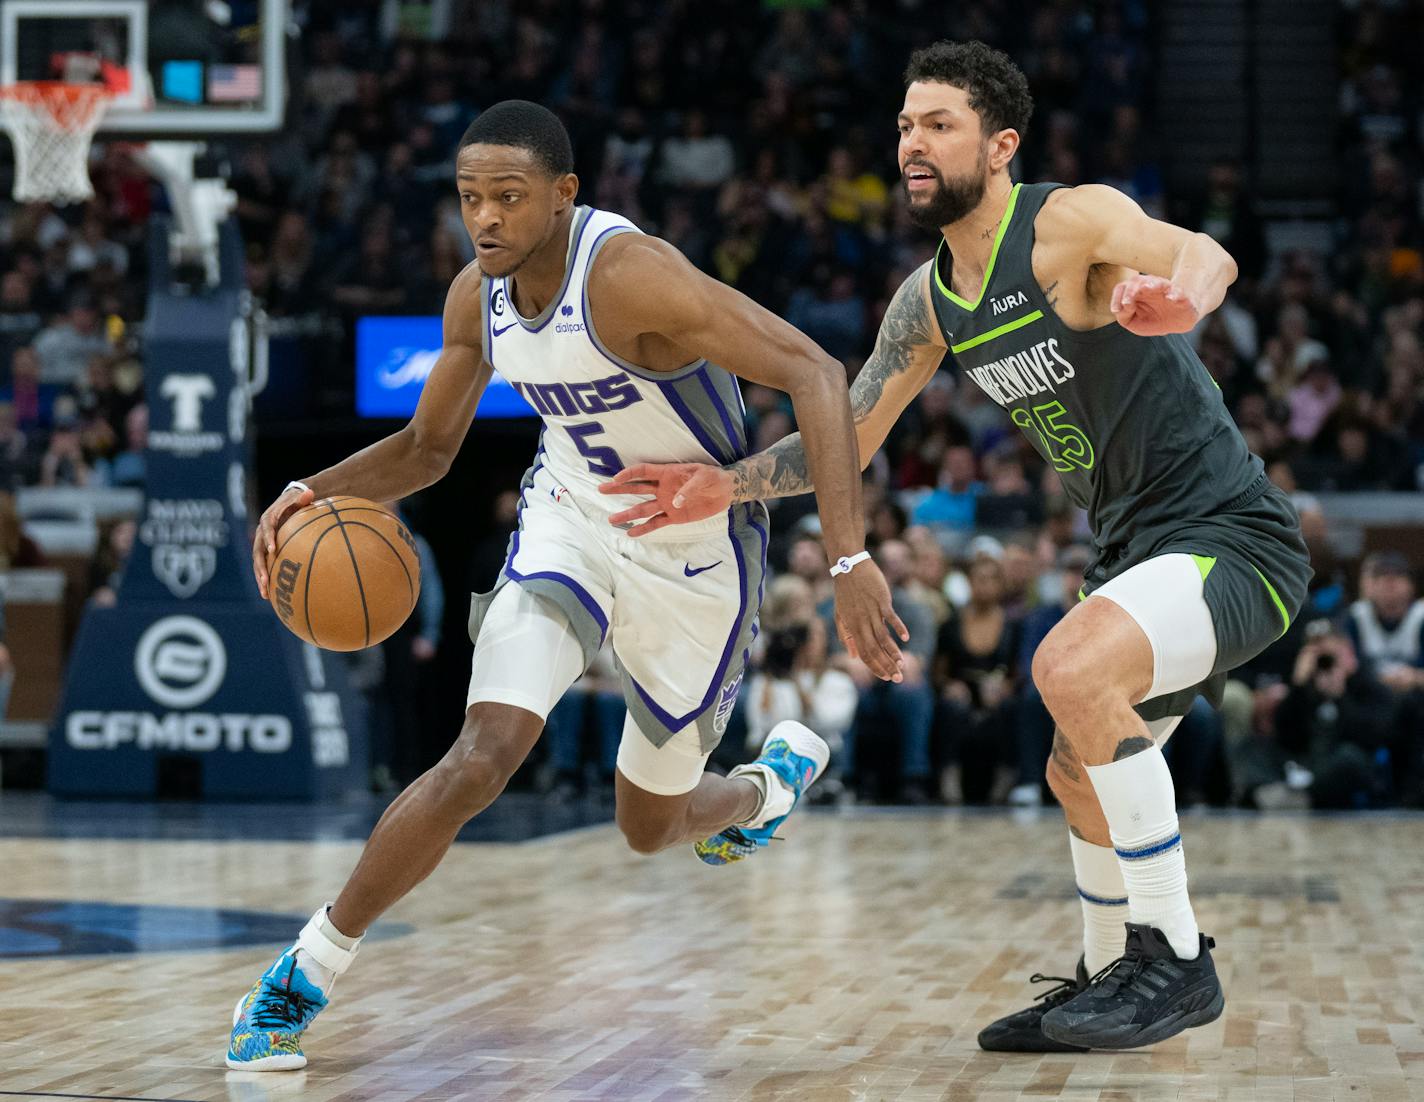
287, 575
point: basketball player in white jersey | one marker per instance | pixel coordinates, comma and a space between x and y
612, 336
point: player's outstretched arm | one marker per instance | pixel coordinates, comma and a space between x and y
418, 454
908, 351
645, 289
1182, 276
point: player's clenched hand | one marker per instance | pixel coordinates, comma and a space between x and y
680, 493
1151, 306
865, 619
264, 543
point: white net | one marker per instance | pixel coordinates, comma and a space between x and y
51, 124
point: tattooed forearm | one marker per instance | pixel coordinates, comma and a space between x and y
780, 471
908, 327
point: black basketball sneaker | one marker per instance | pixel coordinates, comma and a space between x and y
1022, 1031
1147, 995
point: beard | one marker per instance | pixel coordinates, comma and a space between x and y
953, 199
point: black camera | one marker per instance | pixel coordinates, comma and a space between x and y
782, 647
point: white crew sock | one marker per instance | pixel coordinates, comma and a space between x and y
1140, 805
323, 951
1104, 899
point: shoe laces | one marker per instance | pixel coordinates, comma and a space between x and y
281, 1007
1121, 972
1056, 994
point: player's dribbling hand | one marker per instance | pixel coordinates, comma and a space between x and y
1151, 306
680, 492
264, 543
865, 618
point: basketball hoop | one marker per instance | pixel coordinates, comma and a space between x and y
51, 124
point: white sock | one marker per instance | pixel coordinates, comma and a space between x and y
776, 798
1140, 805
323, 951
1104, 899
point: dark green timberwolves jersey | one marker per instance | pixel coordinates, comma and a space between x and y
1135, 426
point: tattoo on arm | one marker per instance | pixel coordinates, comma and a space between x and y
1051, 294
1129, 746
781, 470
1063, 755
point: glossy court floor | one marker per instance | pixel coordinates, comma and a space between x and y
856, 960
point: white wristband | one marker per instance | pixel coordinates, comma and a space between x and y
846, 563
295, 485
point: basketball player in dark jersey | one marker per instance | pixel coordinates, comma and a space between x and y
1067, 306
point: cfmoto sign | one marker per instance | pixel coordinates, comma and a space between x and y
180, 661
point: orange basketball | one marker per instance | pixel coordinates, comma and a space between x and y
345, 574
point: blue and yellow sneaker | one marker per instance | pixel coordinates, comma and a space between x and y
268, 1022
791, 760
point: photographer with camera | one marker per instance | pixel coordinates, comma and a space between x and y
1333, 729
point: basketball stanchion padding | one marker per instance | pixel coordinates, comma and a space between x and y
345, 574
51, 124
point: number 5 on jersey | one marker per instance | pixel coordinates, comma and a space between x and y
602, 460
1066, 444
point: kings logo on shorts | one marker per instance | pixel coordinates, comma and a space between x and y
726, 702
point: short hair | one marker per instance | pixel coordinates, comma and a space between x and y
997, 88
524, 125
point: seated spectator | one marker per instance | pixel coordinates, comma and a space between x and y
64, 348
1332, 736
833, 316
901, 711
795, 681
19, 463
31, 399
128, 467
696, 160
92, 247
975, 671
1312, 401
64, 462
953, 501
1386, 626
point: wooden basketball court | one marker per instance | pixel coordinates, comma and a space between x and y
855, 961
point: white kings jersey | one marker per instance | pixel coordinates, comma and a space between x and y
602, 413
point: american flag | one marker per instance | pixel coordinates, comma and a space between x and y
232, 83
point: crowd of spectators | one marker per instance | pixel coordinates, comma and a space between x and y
759, 139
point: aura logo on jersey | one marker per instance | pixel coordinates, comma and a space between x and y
185, 536
1008, 302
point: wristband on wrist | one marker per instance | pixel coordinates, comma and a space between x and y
295, 485
846, 563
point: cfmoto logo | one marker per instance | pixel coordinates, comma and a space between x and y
180, 661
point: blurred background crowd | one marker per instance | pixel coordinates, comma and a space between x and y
759, 138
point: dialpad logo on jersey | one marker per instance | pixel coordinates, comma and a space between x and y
726, 702
186, 436
568, 325
185, 535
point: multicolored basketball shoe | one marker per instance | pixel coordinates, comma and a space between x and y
791, 760
268, 1022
